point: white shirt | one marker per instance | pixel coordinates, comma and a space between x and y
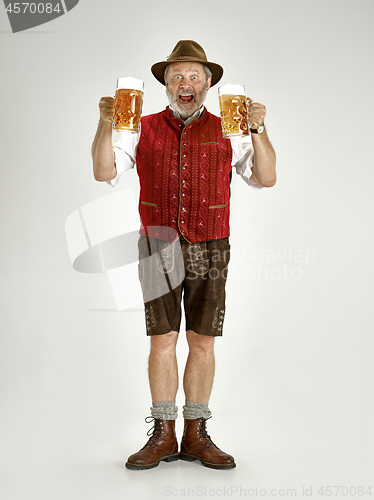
242, 153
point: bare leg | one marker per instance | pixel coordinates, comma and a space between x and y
162, 367
196, 443
199, 372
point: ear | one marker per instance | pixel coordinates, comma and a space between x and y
209, 83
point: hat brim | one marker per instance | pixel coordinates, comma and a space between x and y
158, 69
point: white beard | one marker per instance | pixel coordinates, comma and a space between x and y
186, 110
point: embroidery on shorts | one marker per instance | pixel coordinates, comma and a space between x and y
215, 318
199, 262
219, 315
150, 319
165, 259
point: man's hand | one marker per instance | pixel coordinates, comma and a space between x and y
256, 113
102, 147
264, 156
106, 106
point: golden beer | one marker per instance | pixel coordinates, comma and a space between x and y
233, 110
127, 110
234, 115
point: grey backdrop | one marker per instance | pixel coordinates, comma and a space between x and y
292, 399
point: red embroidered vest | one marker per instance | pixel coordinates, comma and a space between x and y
184, 174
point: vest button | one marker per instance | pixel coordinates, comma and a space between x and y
184, 168
184, 156
184, 181
183, 194
185, 144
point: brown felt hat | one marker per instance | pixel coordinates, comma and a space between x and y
186, 51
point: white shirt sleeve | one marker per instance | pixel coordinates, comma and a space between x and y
242, 158
124, 154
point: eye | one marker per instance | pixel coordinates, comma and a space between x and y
177, 77
194, 78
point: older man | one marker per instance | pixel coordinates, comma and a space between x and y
184, 166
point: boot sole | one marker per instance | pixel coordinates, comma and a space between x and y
170, 458
191, 458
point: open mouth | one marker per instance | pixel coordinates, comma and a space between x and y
185, 98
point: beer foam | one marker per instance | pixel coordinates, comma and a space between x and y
130, 83
231, 88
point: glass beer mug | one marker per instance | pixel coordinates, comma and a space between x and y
233, 110
128, 105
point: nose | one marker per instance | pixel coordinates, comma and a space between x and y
185, 85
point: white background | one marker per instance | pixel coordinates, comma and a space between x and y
292, 399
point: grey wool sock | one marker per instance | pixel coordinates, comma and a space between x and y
164, 410
193, 410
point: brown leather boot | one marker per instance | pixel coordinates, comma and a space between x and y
162, 445
197, 445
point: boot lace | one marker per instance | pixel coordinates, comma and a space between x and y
202, 432
154, 432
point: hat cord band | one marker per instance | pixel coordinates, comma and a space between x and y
187, 57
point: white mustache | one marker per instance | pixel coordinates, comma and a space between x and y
186, 92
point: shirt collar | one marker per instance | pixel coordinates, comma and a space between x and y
192, 118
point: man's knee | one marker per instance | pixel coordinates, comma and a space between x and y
200, 342
166, 341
